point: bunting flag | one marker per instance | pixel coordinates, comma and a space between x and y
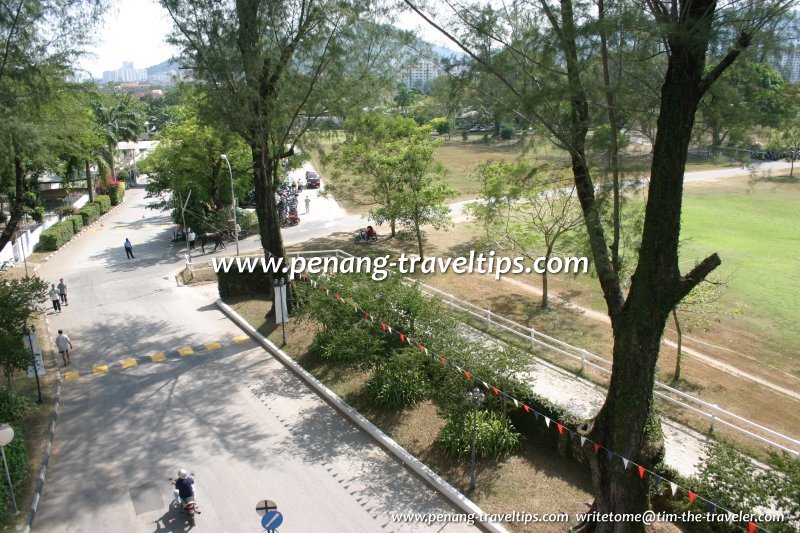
710, 506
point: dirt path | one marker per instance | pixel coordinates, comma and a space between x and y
691, 352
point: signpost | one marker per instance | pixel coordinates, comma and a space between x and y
37, 368
281, 311
271, 518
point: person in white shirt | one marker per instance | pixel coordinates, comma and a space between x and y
64, 346
55, 297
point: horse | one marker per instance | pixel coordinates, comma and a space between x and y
207, 238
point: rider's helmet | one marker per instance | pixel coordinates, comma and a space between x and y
182, 473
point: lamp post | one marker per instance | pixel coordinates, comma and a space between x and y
475, 398
29, 333
233, 205
280, 305
6, 436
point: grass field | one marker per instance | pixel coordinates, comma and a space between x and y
757, 235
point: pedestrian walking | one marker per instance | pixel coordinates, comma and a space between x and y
55, 297
308, 203
64, 346
62, 291
191, 238
129, 249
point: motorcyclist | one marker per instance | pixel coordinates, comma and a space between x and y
370, 232
184, 487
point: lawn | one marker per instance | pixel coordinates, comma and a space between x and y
757, 235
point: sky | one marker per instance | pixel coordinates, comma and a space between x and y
134, 30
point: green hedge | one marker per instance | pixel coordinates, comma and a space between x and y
104, 202
90, 213
17, 458
235, 283
116, 192
56, 236
77, 222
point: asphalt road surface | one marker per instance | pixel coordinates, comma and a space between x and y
160, 380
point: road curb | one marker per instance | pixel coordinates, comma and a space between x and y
428, 475
48, 447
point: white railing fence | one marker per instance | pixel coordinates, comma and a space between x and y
536, 339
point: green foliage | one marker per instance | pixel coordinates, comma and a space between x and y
116, 191
464, 135
37, 214
398, 380
103, 202
356, 343
734, 482
123, 176
18, 299
506, 132
90, 213
17, 459
440, 125
13, 406
235, 283
496, 437
76, 221
57, 235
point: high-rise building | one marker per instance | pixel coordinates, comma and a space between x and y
789, 63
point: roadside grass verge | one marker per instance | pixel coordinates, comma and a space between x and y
535, 480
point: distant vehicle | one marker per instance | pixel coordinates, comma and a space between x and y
474, 129
312, 180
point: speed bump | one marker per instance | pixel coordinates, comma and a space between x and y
213, 346
186, 350
158, 357
127, 363
100, 369
240, 339
72, 374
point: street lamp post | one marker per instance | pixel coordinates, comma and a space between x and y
6, 436
233, 205
475, 398
29, 333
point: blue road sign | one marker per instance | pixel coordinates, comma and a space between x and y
272, 520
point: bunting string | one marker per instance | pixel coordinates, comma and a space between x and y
640, 470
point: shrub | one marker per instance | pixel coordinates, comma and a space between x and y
234, 283
103, 202
116, 192
358, 343
506, 132
76, 221
464, 135
66, 211
496, 436
56, 235
398, 381
13, 405
90, 213
123, 176
17, 459
37, 214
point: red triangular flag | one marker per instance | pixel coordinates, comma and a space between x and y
641, 471
596, 447
495, 391
443, 360
366, 316
751, 527
383, 326
402, 338
560, 428
692, 496
339, 298
467, 374
527, 409
421, 347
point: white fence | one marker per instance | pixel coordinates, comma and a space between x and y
715, 414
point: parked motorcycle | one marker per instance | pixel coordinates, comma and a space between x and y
362, 237
188, 506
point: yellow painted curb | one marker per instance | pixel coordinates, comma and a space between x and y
101, 369
213, 346
158, 357
186, 350
72, 374
127, 363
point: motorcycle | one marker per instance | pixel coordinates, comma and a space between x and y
188, 506
361, 237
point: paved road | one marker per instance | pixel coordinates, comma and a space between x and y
242, 423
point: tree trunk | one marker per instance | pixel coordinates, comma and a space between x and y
678, 355
89, 181
544, 289
19, 199
265, 169
419, 238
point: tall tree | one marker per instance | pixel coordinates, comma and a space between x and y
273, 67
38, 41
693, 32
119, 117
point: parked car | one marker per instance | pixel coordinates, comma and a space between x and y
312, 180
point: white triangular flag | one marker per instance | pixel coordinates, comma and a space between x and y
547, 421
673, 487
625, 462
583, 441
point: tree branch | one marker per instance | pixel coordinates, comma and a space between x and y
696, 276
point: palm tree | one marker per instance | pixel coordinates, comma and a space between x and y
119, 118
